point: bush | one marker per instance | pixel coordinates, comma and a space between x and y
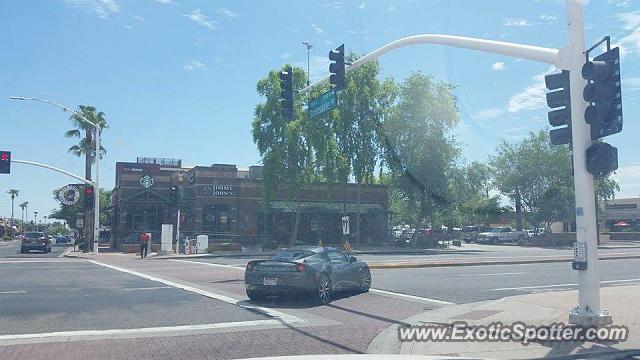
270, 245
457, 243
225, 247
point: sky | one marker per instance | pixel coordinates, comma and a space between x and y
177, 78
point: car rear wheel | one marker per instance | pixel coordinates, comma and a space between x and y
323, 291
255, 295
365, 280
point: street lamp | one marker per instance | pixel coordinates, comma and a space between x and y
309, 46
35, 217
96, 208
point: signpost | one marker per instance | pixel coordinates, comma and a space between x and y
323, 103
69, 195
345, 225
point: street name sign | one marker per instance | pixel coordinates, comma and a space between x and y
323, 103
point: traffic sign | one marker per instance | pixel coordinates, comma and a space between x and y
68, 195
345, 225
323, 103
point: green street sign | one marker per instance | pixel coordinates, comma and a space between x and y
323, 103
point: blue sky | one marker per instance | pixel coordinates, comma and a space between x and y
177, 78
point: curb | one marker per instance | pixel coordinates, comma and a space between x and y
476, 263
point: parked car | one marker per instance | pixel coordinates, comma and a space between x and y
501, 234
35, 241
312, 270
62, 239
470, 233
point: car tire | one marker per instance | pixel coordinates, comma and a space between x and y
255, 295
323, 290
365, 280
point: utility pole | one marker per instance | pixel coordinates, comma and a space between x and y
571, 58
309, 47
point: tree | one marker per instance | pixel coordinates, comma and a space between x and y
69, 213
14, 194
419, 147
86, 146
282, 143
23, 206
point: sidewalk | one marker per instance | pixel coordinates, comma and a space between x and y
532, 309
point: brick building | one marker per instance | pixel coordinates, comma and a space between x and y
227, 204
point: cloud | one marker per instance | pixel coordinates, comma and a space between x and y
139, 18
516, 22
194, 65
545, 17
498, 66
317, 29
197, 17
362, 5
631, 20
488, 113
328, 42
532, 97
628, 177
391, 8
318, 66
334, 5
165, 2
128, 27
631, 84
227, 13
100, 8
285, 56
630, 44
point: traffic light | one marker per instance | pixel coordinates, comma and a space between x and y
286, 92
559, 99
5, 162
174, 195
602, 159
336, 68
89, 197
603, 94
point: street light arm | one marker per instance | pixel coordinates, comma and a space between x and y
535, 53
63, 107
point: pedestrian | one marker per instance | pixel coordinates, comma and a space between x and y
144, 244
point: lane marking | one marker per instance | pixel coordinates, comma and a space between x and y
84, 333
382, 292
412, 297
26, 261
64, 253
209, 264
563, 285
284, 317
495, 274
13, 292
148, 288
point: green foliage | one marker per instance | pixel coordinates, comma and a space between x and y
86, 145
69, 213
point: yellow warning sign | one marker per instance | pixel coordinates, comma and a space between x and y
346, 246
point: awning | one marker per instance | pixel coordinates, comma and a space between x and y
326, 207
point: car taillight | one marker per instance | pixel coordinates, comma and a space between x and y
300, 268
249, 266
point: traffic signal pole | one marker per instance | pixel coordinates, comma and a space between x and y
570, 58
588, 311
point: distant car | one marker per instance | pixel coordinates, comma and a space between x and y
62, 240
35, 241
501, 234
311, 270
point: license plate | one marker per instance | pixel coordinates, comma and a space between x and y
270, 281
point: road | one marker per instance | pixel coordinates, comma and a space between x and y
120, 307
12, 250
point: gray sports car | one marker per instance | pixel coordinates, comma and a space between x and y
313, 270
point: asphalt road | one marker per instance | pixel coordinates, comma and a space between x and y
464, 284
12, 250
59, 295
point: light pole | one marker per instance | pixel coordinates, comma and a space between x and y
309, 46
35, 217
96, 207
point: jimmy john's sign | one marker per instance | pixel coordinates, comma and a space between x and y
218, 190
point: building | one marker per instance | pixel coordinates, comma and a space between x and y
227, 204
620, 215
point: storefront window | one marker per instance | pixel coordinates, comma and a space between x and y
216, 218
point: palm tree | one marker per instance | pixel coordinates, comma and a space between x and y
23, 206
14, 194
86, 146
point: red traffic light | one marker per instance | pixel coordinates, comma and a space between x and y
4, 156
88, 190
